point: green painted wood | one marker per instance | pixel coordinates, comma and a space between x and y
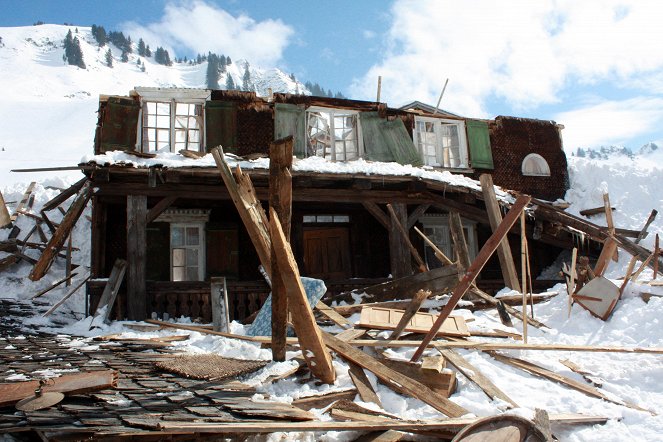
478, 140
221, 125
290, 120
387, 140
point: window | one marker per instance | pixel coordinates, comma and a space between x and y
172, 118
441, 142
436, 228
187, 251
333, 134
535, 165
321, 219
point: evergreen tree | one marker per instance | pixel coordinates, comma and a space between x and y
161, 56
78, 54
148, 53
212, 75
99, 34
230, 84
124, 57
246, 79
72, 51
109, 58
141, 47
228, 61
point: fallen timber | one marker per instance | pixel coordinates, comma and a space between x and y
433, 344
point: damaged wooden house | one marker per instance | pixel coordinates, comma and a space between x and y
363, 177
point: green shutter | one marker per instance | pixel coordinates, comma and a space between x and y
478, 139
120, 125
387, 140
221, 125
290, 119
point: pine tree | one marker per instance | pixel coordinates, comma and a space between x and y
161, 56
148, 53
78, 54
212, 75
72, 51
228, 61
109, 58
246, 79
99, 34
141, 47
124, 57
230, 84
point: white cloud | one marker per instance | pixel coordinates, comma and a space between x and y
201, 27
610, 122
523, 52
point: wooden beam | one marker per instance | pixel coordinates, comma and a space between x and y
377, 213
63, 196
23, 202
410, 311
109, 294
331, 314
65, 297
594, 211
5, 219
159, 207
458, 238
416, 214
406, 239
52, 286
436, 280
495, 217
394, 379
249, 208
657, 253
474, 375
643, 232
219, 298
57, 240
280, 200
364, 387
439, 254
399, 256
473, 271
309, 336
323, 400
136, 256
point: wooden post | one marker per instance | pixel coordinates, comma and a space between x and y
412, 309
64, 229
4, 213
572, 283
309, 335
280, 199
24, 201
657, 253
67, 259
136, 256
495, 217
439, 254
109, 294
219, 295
458, 238
473, 270
610, 245
406, 239
643, 232
523, 269
398, 250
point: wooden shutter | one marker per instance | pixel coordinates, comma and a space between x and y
478, 140
387, 141
119, 125
290, 119
221, 125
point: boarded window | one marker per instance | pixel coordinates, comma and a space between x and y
221, 125
479, 142
289, 120
387, 140
120, 125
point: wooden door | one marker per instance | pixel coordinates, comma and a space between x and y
327, 253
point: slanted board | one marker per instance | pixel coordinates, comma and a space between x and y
387, 319
599, 296
271, 410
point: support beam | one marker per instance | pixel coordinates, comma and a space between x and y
280, 199
159, 207
63, 196
399, 254
495, 217
406, 239
24, 201
643, 232
136, 256
416, 214
473, 271
377, 213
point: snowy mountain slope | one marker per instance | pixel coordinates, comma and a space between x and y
50, 106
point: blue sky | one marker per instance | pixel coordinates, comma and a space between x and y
595, 66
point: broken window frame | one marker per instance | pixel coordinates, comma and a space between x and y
436, 228
536, 160
335, 154
445, 154
199, 248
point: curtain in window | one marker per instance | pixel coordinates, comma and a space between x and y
290, 119
387, 140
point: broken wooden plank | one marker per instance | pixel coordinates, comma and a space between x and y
265, 409
389, 319
433, 425
444, 260
399, 256
474, 375
57, 240
323, 400
643, 232
443, 382
363, 385
220, 311
107, 300
507, 264
409, 312
77, 383
191, 154
332, 315
413, 217
377, 213
460, 244
23, 202
394, 379
594, 211
436, 280
474, 269
67, 296
280, 199
406, 239
657, 253
136, 256
5, 219
317, 357
64, 195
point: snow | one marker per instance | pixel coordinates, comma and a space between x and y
36, 135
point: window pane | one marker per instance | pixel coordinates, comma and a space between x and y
179, 257
192, 273
325, 218
178, 273
192, 236
176, 236
151, 120
163, 108
309, 218
163, 121
192, 257
180, 136
194, 136
341, 219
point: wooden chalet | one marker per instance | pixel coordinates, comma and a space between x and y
177, 227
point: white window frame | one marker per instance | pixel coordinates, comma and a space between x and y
172, 97
540, 163
440, 223
333, 114
442, 153
200, 247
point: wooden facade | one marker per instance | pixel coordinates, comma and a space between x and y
178, 228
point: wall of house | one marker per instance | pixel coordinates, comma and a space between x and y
512, 139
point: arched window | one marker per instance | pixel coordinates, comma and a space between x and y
535, 165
